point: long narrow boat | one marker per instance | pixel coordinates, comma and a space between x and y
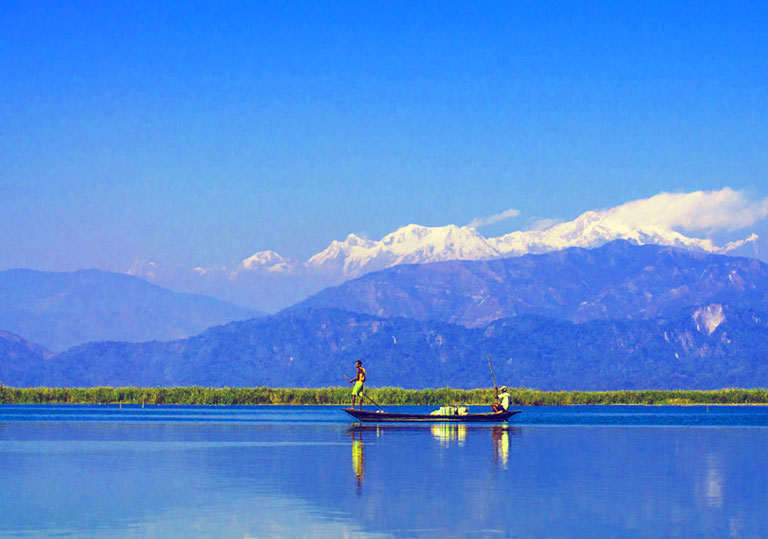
493, 417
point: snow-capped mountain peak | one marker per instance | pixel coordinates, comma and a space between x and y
663, 219
267, 261
430, 244
416, 244
335, 256
593, 229
409, 244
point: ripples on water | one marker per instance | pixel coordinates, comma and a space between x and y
583, 471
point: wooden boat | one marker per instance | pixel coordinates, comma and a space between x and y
493, 417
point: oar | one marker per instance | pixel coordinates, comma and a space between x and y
374, 402
495, 385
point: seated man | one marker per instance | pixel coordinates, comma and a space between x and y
504, 398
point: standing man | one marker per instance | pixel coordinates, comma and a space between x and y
504, 397
359, 381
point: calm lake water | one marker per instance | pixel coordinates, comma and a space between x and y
273, 471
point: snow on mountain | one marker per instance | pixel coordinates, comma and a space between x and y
267, 261
268, 281
409, 244
415, 244
338, 255
593, 229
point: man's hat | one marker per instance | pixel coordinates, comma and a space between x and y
503, 388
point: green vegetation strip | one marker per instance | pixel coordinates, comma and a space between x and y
383, 395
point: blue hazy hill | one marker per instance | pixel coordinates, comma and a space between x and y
314, 347
617, 317
616, 281
20, 359
60, 310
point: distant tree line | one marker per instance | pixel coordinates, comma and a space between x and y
383, 396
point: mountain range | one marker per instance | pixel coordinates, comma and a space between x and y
616, 281
268, 281
703, 348
60, 310
619, 316
414, 244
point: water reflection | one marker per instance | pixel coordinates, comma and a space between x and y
449, 433
500, 435
358, 458
713, 480
280, 478
448, 436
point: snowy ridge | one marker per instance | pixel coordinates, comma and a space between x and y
415, 244
593, 229
268, 281
269, 260
407, 245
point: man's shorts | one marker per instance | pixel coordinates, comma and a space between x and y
358, 389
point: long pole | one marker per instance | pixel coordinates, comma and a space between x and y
374, 402
495, 385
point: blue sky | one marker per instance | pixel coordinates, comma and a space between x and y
199, 133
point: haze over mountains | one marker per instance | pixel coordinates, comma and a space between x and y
268, 281
59, 310
620, 316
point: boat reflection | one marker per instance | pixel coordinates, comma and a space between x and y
358, 458
449, 433
500, 436
445, 434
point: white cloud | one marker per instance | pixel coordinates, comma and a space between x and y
483, 221
726, 209
143, 268
733, 245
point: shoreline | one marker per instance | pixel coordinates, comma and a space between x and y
370, 406
391, 396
